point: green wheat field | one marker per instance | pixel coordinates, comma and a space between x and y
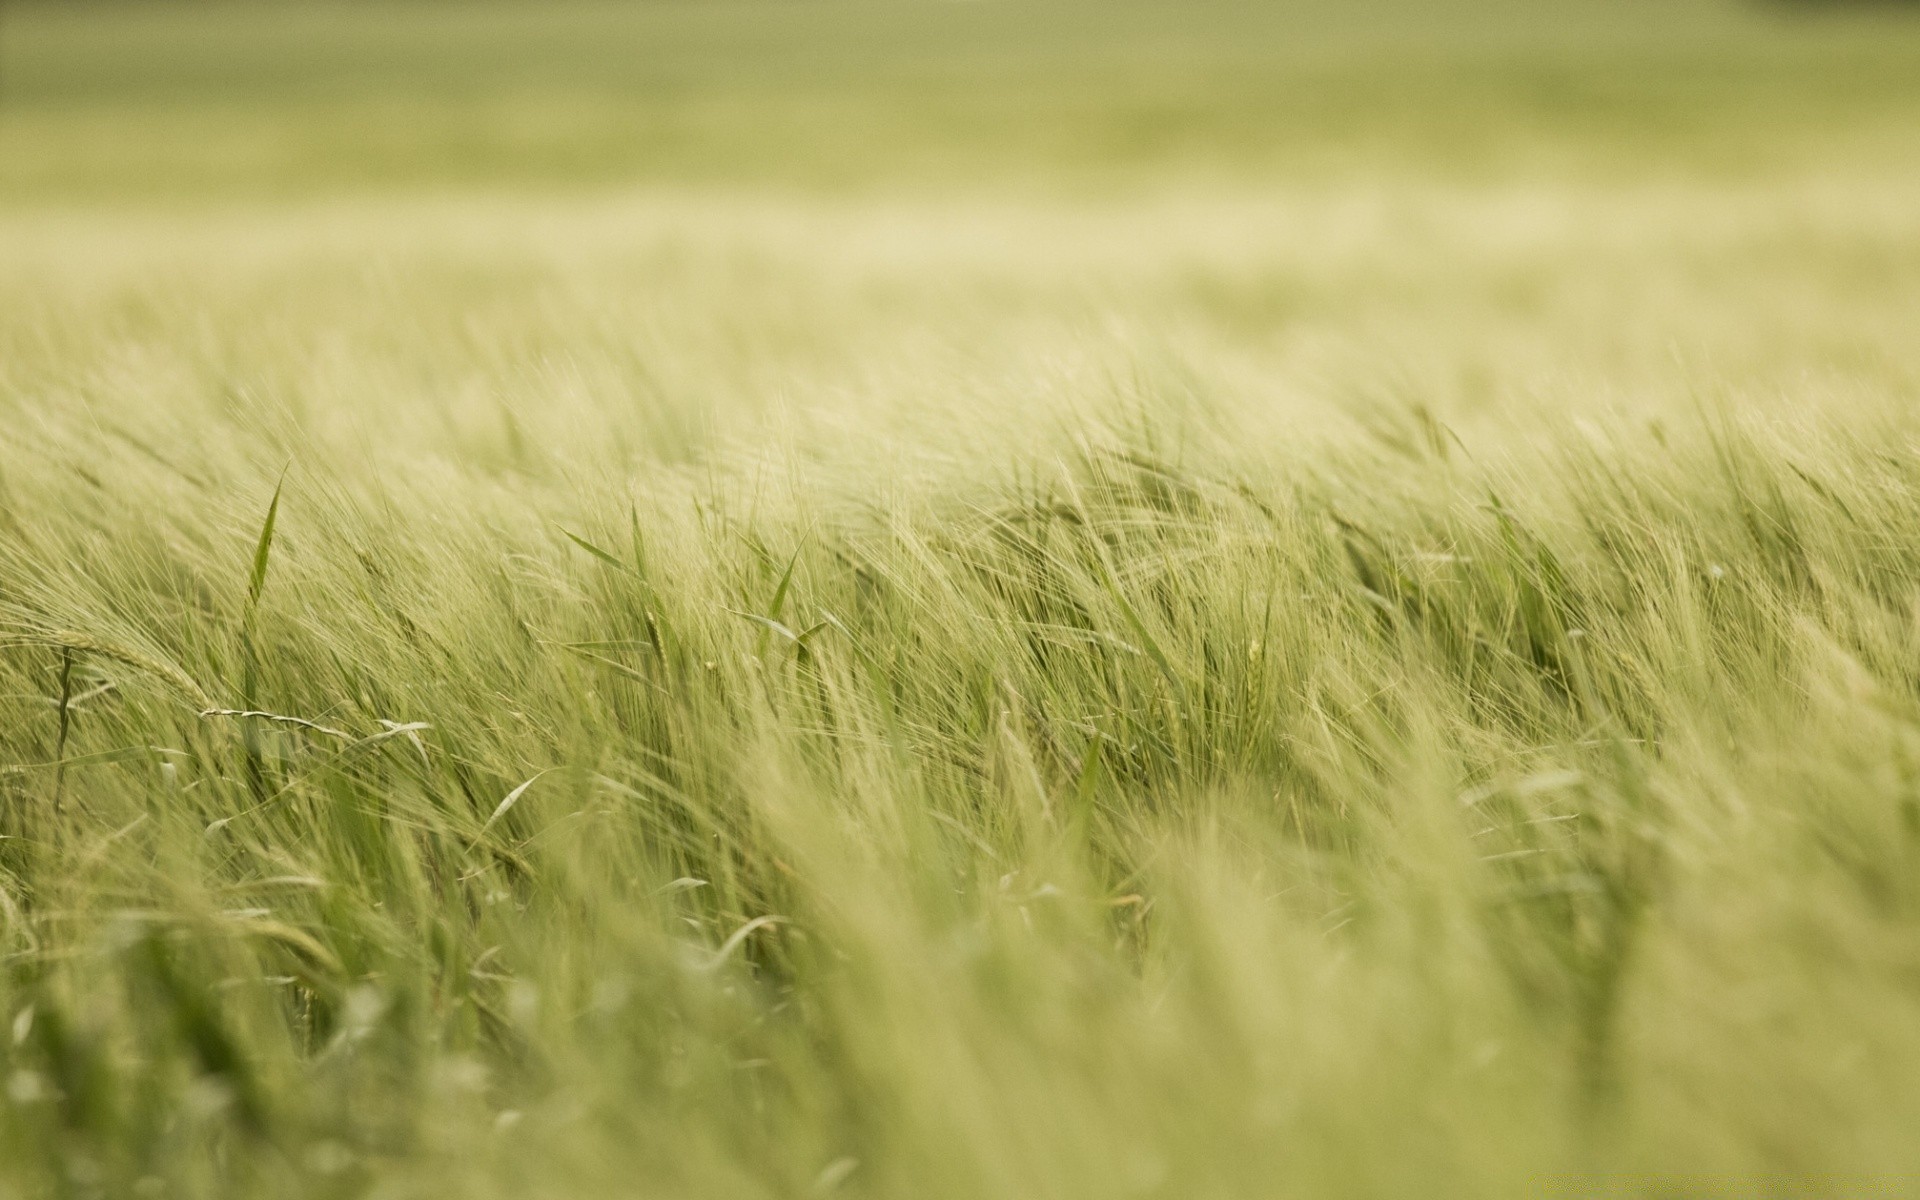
991, 600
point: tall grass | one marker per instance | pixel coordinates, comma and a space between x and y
1297, 687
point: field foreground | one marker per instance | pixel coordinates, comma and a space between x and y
1265, 659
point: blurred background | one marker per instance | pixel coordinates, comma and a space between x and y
172, 99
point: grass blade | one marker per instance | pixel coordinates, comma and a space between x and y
596, 551
263, 549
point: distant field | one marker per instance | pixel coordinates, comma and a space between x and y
959, 600
252, 98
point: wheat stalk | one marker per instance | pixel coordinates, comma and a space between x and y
87, 643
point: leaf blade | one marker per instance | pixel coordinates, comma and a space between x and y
263, 549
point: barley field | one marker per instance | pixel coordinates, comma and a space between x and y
959, 600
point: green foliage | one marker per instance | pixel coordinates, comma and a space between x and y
1378, 680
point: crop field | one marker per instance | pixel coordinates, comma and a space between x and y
959, 600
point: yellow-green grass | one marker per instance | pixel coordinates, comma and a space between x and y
972, 600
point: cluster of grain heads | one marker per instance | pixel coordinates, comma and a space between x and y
1144, 806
